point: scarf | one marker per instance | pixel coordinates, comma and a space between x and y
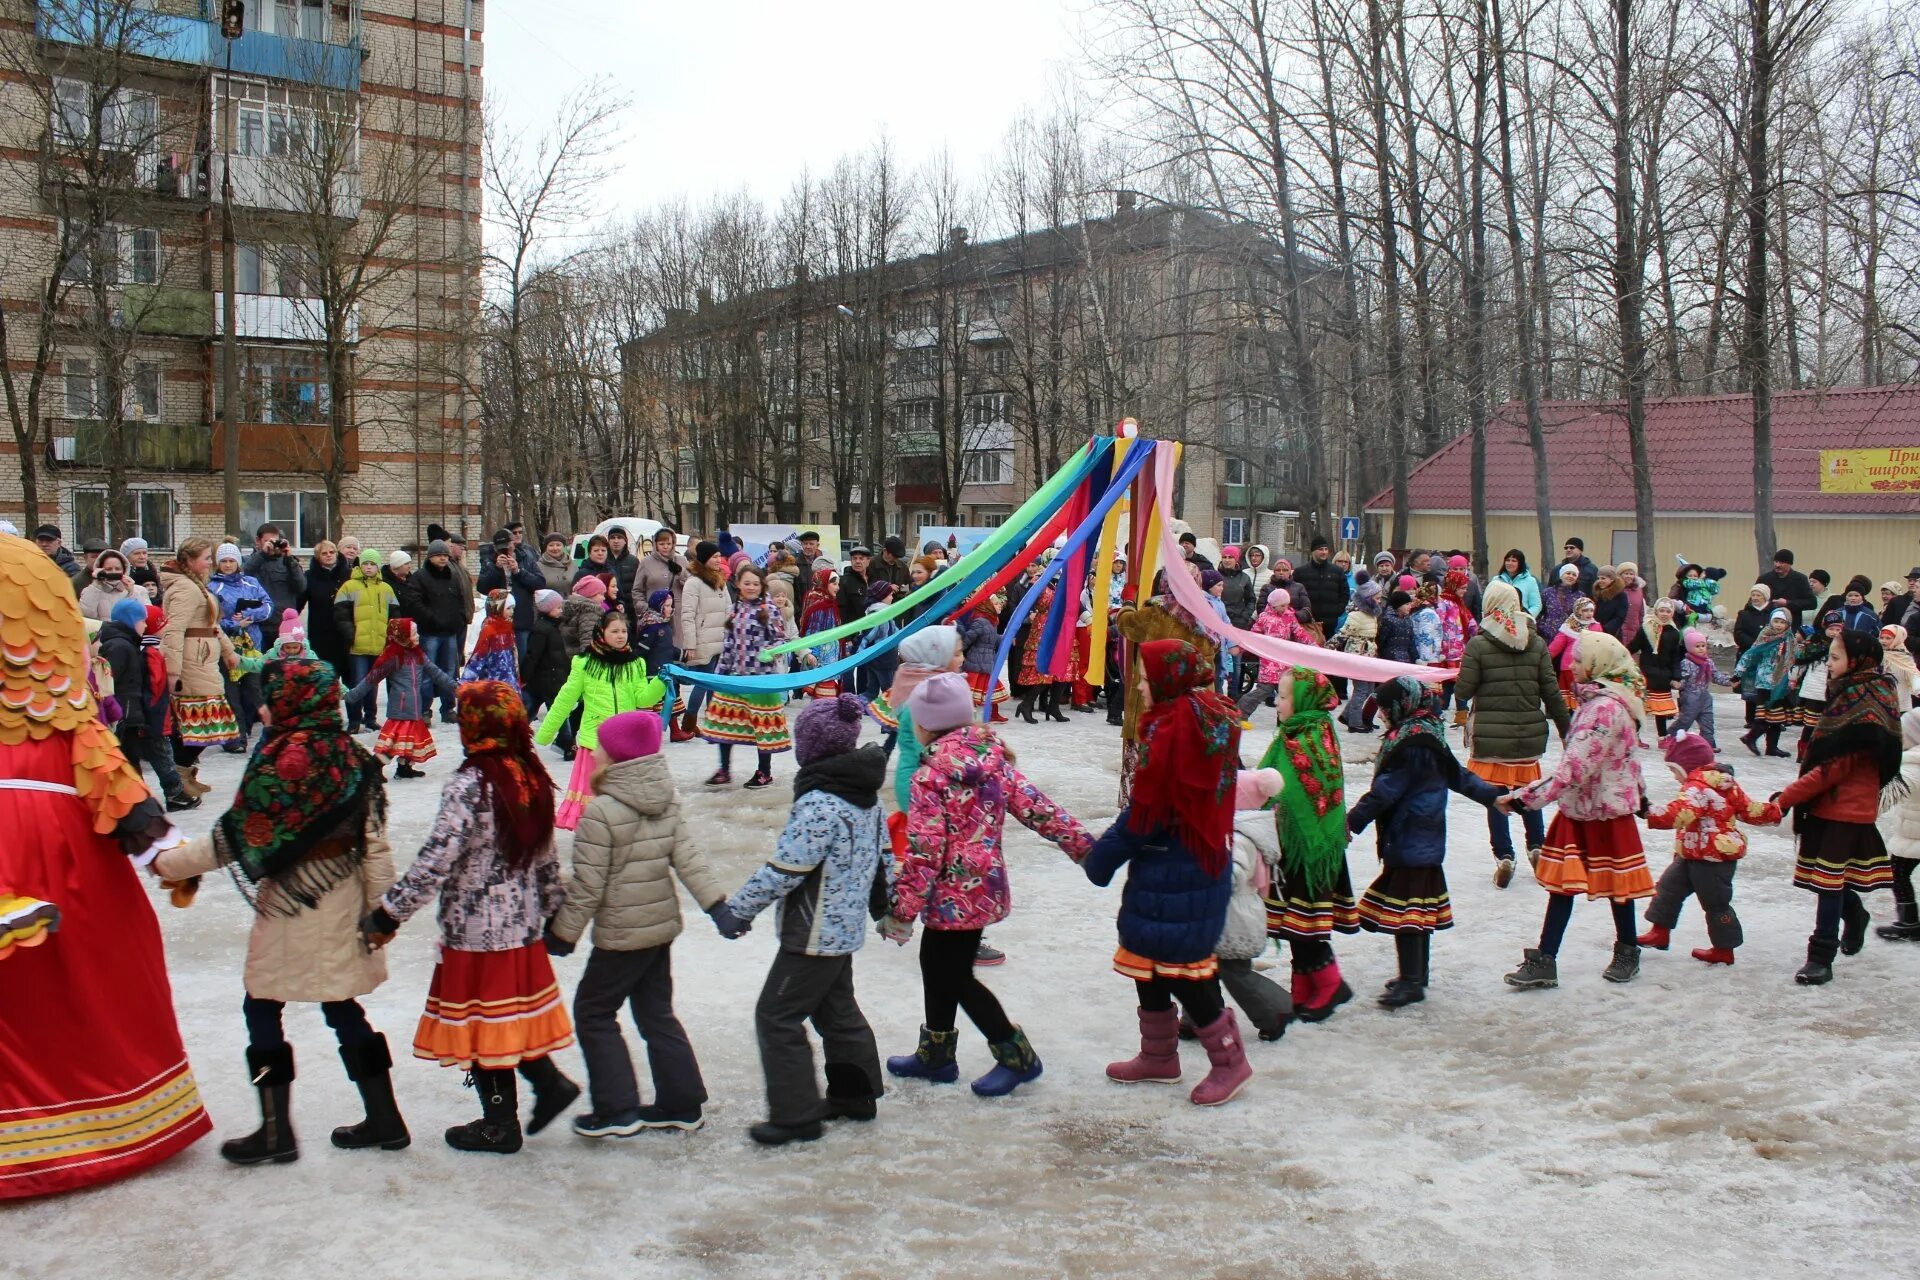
499, 743
1774, 649
1703, 662
308, 780
602, 661
1502, 617
1862, 714
1311, 806
496, 635
909, 677
403, 645
1602, 661
1896, 660
1412, 712
853, 776
1189, 753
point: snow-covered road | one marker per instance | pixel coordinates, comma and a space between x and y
1696, 1123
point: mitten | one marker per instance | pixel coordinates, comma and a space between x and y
555, 944
895, 930
181, 893
729, 925
378, 926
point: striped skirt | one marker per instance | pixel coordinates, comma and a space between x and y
1661, 704
1407, 900
409, 740
1602, 858
1131, 965
1841, 855
881, 709
1505, 773
984, 685
1296, 914
205, 722
757, 720
1780, 713
492, 1009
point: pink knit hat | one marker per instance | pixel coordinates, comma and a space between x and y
1686, 751
1254, 787
942, 703
291, 632
590, 587
630, 735
1456, 562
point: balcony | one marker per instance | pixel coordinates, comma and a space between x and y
1231, 497
149, 446
277, 447
167, 310
272, 318
166, 37
270, 182
916, 495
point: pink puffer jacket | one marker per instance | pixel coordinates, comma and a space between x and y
1281, 624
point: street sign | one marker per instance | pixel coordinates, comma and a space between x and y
1349, 528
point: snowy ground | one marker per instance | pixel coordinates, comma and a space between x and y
1698, 1122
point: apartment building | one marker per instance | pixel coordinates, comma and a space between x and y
342, 140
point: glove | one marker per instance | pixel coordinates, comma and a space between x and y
555, 944
181, 893
895, 930
1502, 872
729, 925
378, 927
1644, 808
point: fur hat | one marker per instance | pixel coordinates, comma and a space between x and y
942, 703
932, 647
1686, 751
630, 735
829, 728
1254, 787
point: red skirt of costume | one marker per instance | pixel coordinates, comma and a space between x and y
492, 1009
1602, 858
1083, 693
94, 1082
409, 740
984, 686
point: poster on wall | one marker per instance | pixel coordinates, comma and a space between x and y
755, 538
954, 537
1870, 470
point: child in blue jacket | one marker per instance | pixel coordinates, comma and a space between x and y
1411, 782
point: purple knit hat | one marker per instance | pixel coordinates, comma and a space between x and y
827, 728
942, 703
879, 591
630, 735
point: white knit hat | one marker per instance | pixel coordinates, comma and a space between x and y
226, 551
397, 559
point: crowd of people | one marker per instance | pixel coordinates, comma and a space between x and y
1221, 858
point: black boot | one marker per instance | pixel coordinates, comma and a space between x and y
1905, 926
850, 1095
1025, 712
370, 1066
1056, 693
498, 1128
1853, 925
271, 1071
553, 1092
1411, 986
1773, 743
1818, 970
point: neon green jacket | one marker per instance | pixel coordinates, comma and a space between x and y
600, 689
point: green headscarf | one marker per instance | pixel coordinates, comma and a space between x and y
1311, 809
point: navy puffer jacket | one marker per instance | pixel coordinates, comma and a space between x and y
1170, 911
1409, 799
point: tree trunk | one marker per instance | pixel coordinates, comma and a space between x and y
1382, 144
1629, 283
1755, 352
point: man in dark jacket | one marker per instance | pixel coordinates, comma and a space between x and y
892, 565
1576, 555
275, 567
625, 564
809, 552
47, 538
514, 570
853, 586
1790, 585
1327, 587
439, 611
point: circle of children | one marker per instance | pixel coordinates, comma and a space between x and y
1219, 859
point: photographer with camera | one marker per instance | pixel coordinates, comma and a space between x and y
514, 568
274, 566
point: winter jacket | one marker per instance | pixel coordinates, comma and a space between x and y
1762, 674
600, 690
1560, 649
1557, 605
243, 605
435, 601
700, 626
525, 579
316, 953
1427, 637
465, 579
578, 618
954, 873
1598, 777
1457, 626
485, 905
654, 574
1395, 640
557, 570
284, 579
824, 868
1792, 587
1327, 589
1747, 626
1529, 588
1900, 823
1705, 817
1256, 845
980, 645
1408, 799
852, 596
1281, 624
1696, 685
1610, 610
1170, 911
1843, 790
1860, 617
625, 567
1513, 693
1636, 614
1699, 593
655, 643
548, 665
632, 840
1236, 593
1659, 660
410, 688
1359, 633
192, 641
98, 599
1589, 572
747, 636
120, 646
360, 613
64, 560
323, 584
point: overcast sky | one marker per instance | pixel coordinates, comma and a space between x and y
748, 93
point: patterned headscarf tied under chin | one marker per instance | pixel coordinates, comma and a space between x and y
305, 785
1412, 711
1503, 617
498, 737
1602, 661
1189, 754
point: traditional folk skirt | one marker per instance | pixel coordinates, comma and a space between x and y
492, 1009
1661, 704
1841, 855
1505, 773
1130, 965
1783, 713
1602, 858
757, 720
1407, 900
409, 740
1295, 914
824, 689
984, 686
579, 791
881, 709
1566, 682
205, 722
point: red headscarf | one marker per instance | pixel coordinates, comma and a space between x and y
496, 633
498, 739
1189, 754
157, 662
1454, 587
403, 644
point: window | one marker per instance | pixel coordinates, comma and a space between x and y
143, 255
1283, 471
813, 517
85, 394
140, 396
919, 468
304, 19
813, 477
689, 474
990, 468
285, 385
917, 364
72, 111
1236, 471
152, 517
996, 359
85, 389
275, 120
925, 519
923, 313
987, 410
249, 271
1233, 530
915, 415
302, 516
990, 517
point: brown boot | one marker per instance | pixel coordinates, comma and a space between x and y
190, 781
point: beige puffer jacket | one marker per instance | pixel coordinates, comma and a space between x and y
1900, 824
701, 623
194, 662
317, 953
631, 836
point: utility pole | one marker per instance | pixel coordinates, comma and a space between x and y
232, 23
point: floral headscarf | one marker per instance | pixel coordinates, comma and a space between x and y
498, 738
496, 633
1411, 710
305, 785
1310, 809
403, 643
1503, 617
1602, 661
1189, 754
1896, 660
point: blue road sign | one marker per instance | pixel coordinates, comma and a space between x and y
1349, 528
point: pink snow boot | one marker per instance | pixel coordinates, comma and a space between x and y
1159, 1058
1326, 991
1229, 1058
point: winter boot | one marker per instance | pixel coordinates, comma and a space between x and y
1056, 693
771, 1133
850, 1095
406, 770
1657, 936
271, 1071
1625, 965
933, 1060
1713, 955
1015, 1064
553, 1092
1326, 991
370, 1066
1773, 745
190, 781
1905, 926
685, 732
1535, 971
1411, 986
1853, 926
1026, 704
1818, 970
1228, 1055
498, 1128
1159, 1059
